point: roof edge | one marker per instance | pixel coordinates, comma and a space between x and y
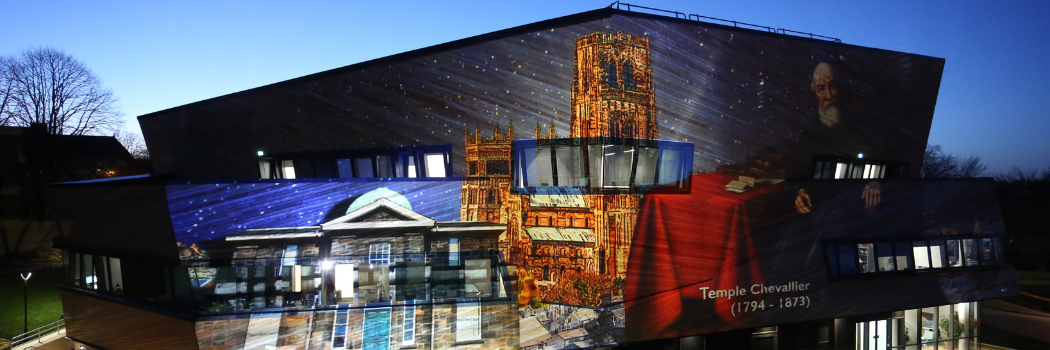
601, 13
499, 34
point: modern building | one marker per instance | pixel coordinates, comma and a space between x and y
30, 159
682, 185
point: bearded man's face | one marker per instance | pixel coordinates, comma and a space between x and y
827, 91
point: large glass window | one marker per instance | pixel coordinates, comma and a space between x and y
843, 168
601, 165
287, 169
373, 283
617, 165
435, 163
544, 172
90, 278
569, 166
903, 256
987, 248
954, 253
411, 281
478, 278
922, 255
866, 257
969, 252
364, 167
847, 259
411, 169
413, 161
937, 254
947, 327
115, 279
885, 257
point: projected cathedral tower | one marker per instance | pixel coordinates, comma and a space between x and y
612, 96
612, 90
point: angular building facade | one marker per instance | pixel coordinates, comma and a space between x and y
686, 185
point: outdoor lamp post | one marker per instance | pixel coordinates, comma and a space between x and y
25, 301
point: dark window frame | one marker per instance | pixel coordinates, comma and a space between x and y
836, 270
313, 164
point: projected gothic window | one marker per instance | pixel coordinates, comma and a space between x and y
628, 75
610, 74
601, 165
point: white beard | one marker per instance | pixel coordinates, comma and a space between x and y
829, 114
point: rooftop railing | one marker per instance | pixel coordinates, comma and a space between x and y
695, 17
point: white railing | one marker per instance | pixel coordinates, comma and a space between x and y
38, 336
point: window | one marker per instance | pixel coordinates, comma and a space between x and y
628, 75
264, 169
339, 329
478, 278
903, 256
610, 74
373, 281
435, 163
598, 165
379, 253
412, 166
287, 169
497, 167
364, 168
468, 322
922, 255
866, 257
370, 163
944, 327
844, 168
885, 257
617, 165
453, 252
409, 330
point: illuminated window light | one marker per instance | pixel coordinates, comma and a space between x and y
260, 153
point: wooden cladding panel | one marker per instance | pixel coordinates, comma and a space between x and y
115, 326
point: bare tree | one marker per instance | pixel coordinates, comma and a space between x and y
1018, 175
6, 85
939, 165
46, 85
134, 143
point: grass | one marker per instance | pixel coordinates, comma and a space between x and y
45, 306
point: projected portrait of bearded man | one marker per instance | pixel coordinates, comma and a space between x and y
827, 90
837, 127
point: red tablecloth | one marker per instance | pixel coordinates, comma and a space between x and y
684, 242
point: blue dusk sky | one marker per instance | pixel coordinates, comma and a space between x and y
157, 55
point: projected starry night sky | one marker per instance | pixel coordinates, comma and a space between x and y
205, 211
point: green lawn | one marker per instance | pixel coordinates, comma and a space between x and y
44, 303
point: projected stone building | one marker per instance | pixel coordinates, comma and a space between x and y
612, 97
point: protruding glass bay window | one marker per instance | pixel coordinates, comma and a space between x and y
601, 165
